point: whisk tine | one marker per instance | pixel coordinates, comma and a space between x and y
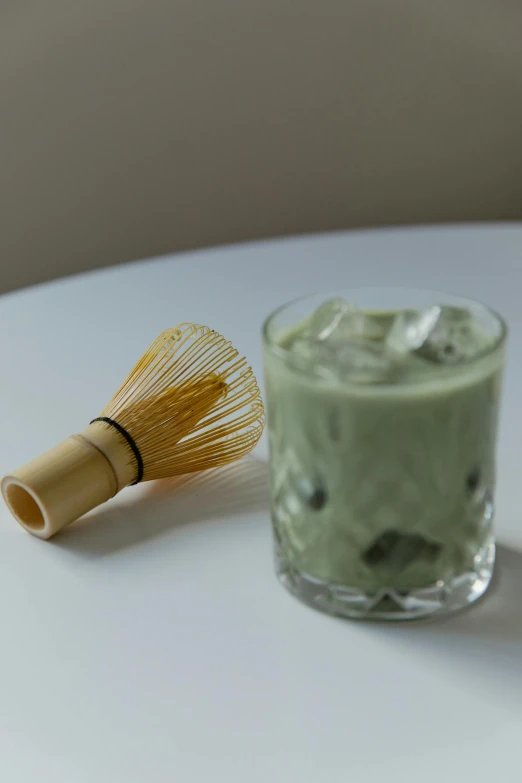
187, 400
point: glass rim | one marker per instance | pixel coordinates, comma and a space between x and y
286, 353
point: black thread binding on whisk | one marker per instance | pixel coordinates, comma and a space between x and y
130, 440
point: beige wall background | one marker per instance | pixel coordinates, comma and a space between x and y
135, 127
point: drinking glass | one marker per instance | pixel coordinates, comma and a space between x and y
382, 493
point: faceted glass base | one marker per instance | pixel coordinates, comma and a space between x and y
444, 597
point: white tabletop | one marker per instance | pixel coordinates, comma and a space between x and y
151, 641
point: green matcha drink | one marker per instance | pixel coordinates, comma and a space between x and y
382, 427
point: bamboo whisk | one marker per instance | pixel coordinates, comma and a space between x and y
190, 403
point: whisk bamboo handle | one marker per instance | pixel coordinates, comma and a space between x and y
71, 479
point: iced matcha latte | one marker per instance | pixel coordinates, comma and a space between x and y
382, 414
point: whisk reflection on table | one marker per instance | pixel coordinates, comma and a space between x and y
191, 403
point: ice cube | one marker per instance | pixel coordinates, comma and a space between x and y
348, 360
395, 550
444, 335
338, 319
299, 490
411, 329
326, 318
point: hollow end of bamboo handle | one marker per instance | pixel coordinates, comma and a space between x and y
60, 486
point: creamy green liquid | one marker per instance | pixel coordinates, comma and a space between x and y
384, 484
